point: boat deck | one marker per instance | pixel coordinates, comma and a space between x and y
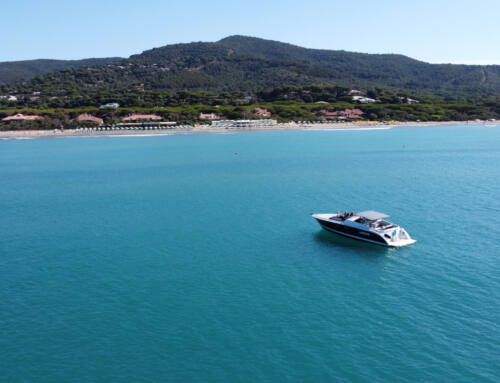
376, 225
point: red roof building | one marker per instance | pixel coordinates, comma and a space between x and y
261, 112
347, 114
327, 115
356, 92
209, 116
89, 118
353, 114
22, 117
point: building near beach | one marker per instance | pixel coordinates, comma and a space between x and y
347, 114
85, 117
262, 112
243, 123
142, 117
22, 117
209, 116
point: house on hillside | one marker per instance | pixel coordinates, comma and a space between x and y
363, 100
356, 92
142, 117
262, 112
85, 117
408, 100
110, 105
209, 116
9, 98
22, 117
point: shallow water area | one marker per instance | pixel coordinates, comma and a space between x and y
193, 257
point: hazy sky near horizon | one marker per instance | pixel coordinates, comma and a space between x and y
437, 31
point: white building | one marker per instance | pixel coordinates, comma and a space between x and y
363, 100
243, 123
110, 105
409, 100
9, 98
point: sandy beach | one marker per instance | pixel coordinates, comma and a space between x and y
208, 128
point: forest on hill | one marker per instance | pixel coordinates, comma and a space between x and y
12, 71
248, 65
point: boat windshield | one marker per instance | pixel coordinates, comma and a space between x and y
381, 224
377, 224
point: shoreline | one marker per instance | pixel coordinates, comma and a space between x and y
285, 126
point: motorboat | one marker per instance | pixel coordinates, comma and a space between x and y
368, 226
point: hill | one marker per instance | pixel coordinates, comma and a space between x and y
387, 70
249, 65
12, 71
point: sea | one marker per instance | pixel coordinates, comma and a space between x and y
194, 257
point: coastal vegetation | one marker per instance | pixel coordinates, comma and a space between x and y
283, 111
237, 74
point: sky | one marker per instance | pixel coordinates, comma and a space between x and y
437, 31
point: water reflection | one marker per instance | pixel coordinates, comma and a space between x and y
358, 247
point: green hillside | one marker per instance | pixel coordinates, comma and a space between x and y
251, 65
13, 71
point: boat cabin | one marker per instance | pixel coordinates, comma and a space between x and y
369, 218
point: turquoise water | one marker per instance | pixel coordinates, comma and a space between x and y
193, 257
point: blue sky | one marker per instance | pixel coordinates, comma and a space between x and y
437, 31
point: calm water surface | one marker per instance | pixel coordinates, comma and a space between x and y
155, 259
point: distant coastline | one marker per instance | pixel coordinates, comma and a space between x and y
207, 128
